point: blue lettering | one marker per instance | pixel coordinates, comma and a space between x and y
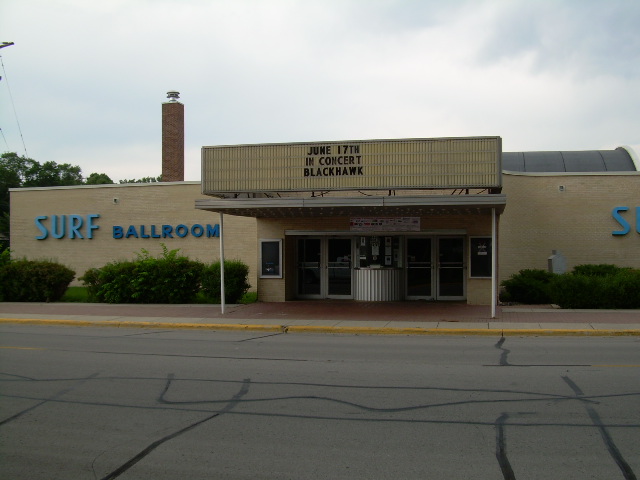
75, 224
182, 230
623, 223
41, 227
90, 226
83, 226
166, 231
57, 225
131, 232
197, 230
213, 231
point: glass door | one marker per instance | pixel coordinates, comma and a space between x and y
309, 267
339, 268
451, 275
419, 268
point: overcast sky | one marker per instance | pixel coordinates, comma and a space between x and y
88, 78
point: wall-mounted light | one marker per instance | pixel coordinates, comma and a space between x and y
116, 201
561, 188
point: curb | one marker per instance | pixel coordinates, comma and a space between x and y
328, 329
138, 324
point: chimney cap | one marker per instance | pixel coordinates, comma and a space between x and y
173, 95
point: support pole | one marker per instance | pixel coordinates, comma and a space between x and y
222, 263
494, 269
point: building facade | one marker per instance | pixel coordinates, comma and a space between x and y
376, 220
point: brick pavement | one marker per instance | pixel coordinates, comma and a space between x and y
334, 310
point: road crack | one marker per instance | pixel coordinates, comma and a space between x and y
231, 404
612, 448
501, 448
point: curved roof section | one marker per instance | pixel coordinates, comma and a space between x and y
618, 160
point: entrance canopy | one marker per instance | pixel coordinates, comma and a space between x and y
481, 204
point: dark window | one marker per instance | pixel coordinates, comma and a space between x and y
271, 258
480, 253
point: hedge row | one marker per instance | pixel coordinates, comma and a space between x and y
587, 286
32, 280
170, 278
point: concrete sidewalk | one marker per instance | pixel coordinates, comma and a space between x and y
334, 316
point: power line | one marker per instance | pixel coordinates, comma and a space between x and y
15, 113
5, 139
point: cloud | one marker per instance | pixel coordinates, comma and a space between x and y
89, 78
585, 38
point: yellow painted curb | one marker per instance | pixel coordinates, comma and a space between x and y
140, 324
326, 329
460, 331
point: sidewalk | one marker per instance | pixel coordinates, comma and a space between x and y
335, 316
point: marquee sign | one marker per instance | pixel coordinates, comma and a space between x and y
473, 162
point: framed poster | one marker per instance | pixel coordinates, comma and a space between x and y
480, 251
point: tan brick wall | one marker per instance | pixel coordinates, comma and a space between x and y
140, 204
479, 291
577, 222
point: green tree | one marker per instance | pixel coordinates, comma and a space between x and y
13, 171
99, 179
52, 174
18, 171
143, 180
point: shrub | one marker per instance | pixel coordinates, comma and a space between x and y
91, 280
618, 289
576, 291
5, 257
167, 279
600, 270
622, 290
33, 280
528, 286
236, 282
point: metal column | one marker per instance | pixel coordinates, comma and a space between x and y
494, 270
221, 263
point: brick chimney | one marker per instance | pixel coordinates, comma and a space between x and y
173, 139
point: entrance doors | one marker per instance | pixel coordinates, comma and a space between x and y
450, 268
435, 268
419, 268
339, 267
309, 267
324, 268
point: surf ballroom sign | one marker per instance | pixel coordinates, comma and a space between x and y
86, 227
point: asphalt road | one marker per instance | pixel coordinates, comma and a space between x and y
110, 403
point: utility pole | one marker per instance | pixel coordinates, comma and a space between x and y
5, 44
